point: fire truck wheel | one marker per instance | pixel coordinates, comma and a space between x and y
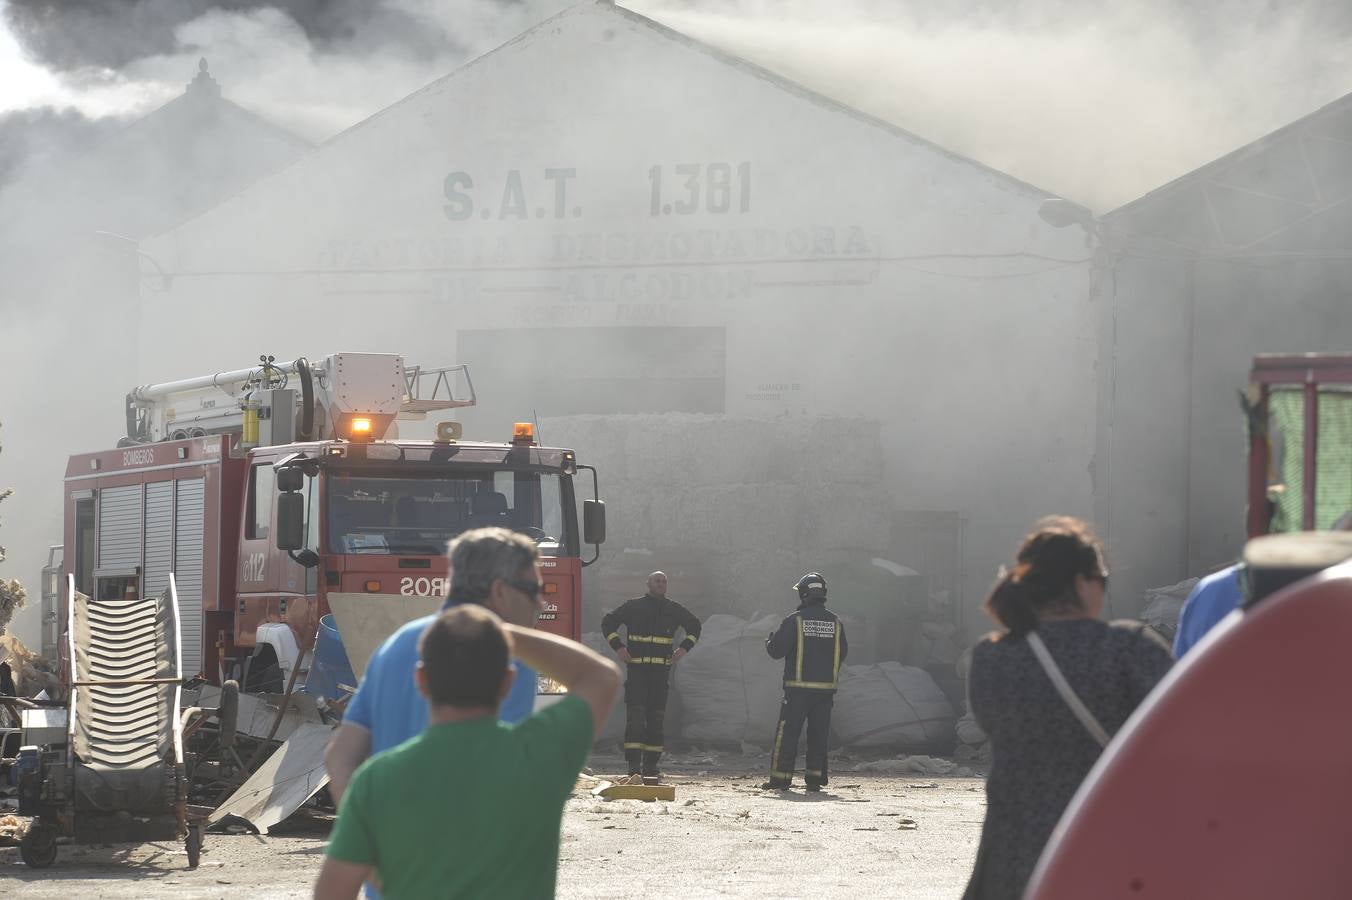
194, 845
227, 714
38, 847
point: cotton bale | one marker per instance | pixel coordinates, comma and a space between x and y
888, 705
729, 687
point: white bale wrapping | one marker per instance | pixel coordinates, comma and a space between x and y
1163, 605
728, 685
890, 705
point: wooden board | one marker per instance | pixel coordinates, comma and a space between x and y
365, 620
1234, 779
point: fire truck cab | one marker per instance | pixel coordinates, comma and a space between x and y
263, 490
1300, 447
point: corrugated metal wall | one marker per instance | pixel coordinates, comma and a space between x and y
189, 525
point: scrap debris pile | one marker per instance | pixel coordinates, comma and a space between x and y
32, 674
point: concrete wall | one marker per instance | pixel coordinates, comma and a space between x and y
854, 270
1148, 523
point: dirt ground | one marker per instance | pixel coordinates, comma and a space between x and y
870, 834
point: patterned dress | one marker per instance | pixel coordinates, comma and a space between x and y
1040, 750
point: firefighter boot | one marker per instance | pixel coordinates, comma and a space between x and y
633, 757
650, 773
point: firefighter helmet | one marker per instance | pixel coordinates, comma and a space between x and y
812, 582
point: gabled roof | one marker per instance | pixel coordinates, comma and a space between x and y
793, 87
1289, 190
155, 172
741, 66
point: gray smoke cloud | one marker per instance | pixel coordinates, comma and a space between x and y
112, 34
35, 135
1098, 104
313, 67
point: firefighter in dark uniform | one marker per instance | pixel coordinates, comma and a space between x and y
650, 624
812, 644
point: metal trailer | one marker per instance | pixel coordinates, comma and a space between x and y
120, 773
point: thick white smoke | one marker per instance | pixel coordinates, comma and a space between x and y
1100, 105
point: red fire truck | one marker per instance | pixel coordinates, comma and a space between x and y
265, 489
1300, 441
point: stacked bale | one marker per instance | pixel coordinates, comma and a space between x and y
734, 510
744, 505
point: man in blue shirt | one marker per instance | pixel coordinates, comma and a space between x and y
1212, 599
493, 567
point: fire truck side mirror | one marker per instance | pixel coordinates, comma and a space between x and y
593, 522
290, 521
290, 478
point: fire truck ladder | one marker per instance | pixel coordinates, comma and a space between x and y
442, 395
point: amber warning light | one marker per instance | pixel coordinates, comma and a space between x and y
523, 433
361, 428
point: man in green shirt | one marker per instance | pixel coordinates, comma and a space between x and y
472, 807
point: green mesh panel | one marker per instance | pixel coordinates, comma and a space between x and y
1333, 479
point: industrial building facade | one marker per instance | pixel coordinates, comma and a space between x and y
605, 217
1245, 255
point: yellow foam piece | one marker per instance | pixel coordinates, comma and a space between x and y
645, 792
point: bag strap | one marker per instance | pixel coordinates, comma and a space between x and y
1058, 679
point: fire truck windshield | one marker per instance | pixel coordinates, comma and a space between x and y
400, 515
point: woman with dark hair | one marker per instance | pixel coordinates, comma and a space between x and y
1049, 688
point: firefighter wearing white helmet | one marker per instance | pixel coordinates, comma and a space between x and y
811, 641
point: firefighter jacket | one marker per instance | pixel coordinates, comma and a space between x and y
651, 623
812, 644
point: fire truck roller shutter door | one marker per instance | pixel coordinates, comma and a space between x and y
119, 534
159, 538
189, 533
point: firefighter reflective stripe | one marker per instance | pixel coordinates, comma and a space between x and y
613, 636
817, 628
650, 638
835, 666
799, 655
775, 773
774, 755
650, 660
692, 639
816, 772
651, 748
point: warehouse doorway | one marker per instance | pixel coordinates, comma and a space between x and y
523, 372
